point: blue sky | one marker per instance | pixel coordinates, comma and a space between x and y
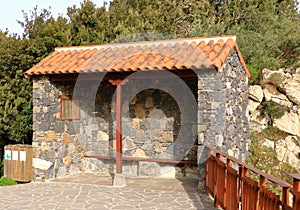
11, 10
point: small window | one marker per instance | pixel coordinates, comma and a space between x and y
69, 108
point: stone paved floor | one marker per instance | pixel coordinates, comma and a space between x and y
94, 191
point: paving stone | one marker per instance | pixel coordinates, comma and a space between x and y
150, 193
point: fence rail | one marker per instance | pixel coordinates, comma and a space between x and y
233, 188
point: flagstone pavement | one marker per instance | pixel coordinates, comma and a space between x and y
95, 191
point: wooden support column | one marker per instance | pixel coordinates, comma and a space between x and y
119, 179
119, 130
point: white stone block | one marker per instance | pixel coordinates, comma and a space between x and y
41, 164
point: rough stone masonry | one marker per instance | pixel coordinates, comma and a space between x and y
150, 130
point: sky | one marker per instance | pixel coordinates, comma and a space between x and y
11, 10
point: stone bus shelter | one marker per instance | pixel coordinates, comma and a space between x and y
139, 109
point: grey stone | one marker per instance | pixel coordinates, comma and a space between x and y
149, 169
157, 147
201, 155
46, 102
74, 170
231, 129
70, 128
148, 147
93, 165
140, 135
59, 127
71, 148
62, 151
44, 126
157, 113
62, 171
130, 169
167, 171
170, 149
76, 158
128, 144
219, 140
145, 124
170, 124
50, 155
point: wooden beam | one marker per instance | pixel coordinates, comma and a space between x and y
120, 75
143, 159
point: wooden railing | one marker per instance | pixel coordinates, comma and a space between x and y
228, 182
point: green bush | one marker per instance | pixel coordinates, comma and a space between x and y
6, 181
273, 109
273, 133
265, 158
255, 74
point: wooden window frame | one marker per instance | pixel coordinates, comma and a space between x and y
64, 98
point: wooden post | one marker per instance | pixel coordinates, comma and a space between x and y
296, 191
119, 130
262, 181
206, 168
262, 184
217, 203
119, 179
245, 172
285, 196
240, 182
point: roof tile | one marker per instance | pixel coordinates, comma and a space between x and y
186, 53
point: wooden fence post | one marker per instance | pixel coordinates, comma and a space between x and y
296, 191
217, 204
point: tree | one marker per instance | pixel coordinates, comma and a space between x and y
15, 92
267, 31
42, 33
89, 24
177, 18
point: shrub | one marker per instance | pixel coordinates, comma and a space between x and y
266, 159
255, 74
273, 109
263, 158
274, 133
6, 181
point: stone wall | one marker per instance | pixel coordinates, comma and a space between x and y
151, 122
222, 102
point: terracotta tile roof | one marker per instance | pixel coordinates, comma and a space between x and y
177, 54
